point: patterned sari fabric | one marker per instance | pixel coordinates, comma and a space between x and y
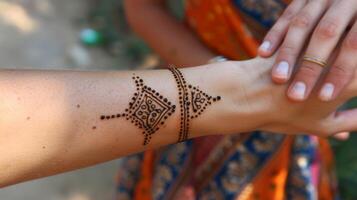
254, 165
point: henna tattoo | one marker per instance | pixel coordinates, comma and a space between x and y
148, 110
193, 102
184, 104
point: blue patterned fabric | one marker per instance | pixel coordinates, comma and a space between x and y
170, 167
300, 183
128, 176
265, 12
242, 166
245, 160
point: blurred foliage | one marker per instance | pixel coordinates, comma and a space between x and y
177, 8
108, 18
346, 162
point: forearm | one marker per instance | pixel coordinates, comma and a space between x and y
56, 121
171, 39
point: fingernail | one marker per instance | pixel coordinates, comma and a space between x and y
327, 92
298, 91
265, 46
282, 70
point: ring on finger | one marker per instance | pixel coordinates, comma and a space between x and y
315, 60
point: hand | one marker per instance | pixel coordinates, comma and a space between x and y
283, 116
327, 22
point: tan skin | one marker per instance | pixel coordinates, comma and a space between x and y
171, 39
323, 24
176, 43
328, 21
50, 120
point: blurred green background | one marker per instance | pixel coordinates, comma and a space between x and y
346, 161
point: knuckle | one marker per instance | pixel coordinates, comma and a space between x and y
322, 2
303, 20
340, 70
351, 41
328, 28
318, 1
341, 74
287, 50
273, 34
309, 70
289, 13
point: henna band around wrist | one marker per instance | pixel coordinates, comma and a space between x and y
193, 102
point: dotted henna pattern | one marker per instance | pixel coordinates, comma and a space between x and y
147, 110
193, 102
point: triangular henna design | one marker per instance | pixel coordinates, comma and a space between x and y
148, 110
200, 101
193, 102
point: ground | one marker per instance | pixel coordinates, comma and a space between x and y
43, 34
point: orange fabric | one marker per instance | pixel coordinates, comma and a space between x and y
269, 183
143, 188
232, 39
327, 189
229, 36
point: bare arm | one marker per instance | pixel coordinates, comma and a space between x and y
57, 121
171, 39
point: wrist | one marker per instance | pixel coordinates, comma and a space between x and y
252, 93
245, 96
249, 91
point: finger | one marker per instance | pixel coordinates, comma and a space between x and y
342, 136
299, 30
276, 34
351, 89
345, 121
324, 40
343, 70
